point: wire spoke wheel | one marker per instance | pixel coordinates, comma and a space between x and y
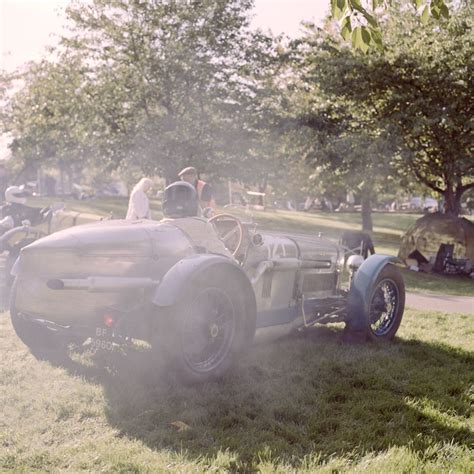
376, 313
202, 336
208, 329
384, 307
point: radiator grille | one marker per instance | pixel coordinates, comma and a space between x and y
318, 282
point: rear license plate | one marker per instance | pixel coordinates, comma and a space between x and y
102, 344
103, 339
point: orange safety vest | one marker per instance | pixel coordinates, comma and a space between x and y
199, 187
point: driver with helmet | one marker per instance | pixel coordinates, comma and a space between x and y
15, 211
181, 209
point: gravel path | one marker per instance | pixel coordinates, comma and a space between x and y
445, 303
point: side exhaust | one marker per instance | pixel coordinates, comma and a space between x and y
101, 284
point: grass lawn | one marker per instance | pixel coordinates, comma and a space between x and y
433, 283
302, 403
388, 227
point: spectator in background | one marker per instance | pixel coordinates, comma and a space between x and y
203, 189
138, 204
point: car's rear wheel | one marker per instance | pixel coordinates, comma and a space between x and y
42, 342
201, 337
382, 317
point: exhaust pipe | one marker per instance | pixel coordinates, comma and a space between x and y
101, 284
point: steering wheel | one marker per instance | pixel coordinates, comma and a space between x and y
227, 237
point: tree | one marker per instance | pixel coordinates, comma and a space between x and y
47, 116
420, 93
156, 86
336, 135
161, 77
151, 85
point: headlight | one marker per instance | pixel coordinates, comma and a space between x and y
354, 262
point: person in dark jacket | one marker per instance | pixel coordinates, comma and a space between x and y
203, 189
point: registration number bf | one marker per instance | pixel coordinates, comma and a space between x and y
99, 341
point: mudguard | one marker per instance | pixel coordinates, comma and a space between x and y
176, 279
361, 287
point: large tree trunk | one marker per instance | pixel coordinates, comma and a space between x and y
366, 212
452, 202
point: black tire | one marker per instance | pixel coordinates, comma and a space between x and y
385, 309
43, 343
201, 337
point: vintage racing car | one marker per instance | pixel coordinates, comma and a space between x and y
115, 281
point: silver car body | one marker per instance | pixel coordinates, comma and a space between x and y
76, 276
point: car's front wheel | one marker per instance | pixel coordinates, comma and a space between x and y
381, 317
201, 337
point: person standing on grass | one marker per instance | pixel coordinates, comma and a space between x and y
139, 205
203, 189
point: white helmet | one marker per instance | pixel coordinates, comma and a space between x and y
12, 194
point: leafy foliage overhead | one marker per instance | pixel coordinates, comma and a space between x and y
416, 98
360, 20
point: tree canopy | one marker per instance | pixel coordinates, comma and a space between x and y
381, 118
157, 86
171, 82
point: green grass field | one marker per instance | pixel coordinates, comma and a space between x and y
388, 228
302, 403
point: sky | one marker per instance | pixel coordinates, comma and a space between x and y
28, 26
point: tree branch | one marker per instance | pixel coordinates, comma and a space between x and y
425, 181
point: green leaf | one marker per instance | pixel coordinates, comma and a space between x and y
444, 10
356, 37
418, 3
372, 21
376, 39
346, 33
425, 15
365, 35
358, 40
337, 8
347, 21
346, 28
435, 11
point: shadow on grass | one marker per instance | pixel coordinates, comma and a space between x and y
301, 394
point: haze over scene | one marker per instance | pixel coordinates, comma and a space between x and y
28, 26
